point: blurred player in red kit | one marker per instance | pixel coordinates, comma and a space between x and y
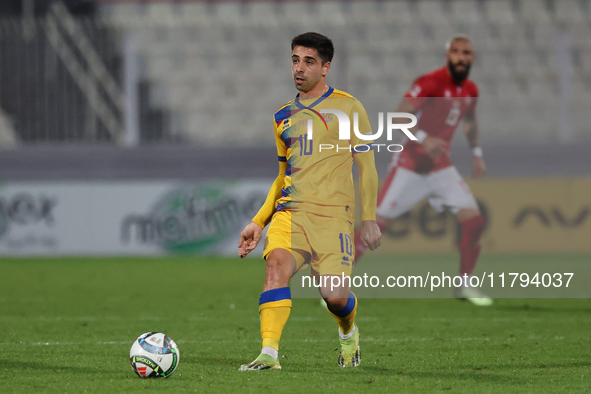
440, 100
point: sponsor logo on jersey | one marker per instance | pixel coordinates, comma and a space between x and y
345, 261
329, 117
414, 91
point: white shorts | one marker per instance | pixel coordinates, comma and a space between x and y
445, 189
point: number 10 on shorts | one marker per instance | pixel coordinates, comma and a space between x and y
346, 244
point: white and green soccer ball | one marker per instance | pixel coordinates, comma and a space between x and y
154, 355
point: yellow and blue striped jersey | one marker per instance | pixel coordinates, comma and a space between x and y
319, 175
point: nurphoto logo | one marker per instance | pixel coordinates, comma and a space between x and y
345, 130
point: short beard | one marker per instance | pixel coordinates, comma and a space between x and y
458, 78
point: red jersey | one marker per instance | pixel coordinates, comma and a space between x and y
441, 105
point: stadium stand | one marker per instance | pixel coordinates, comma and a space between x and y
7, 134
212, 58
211, 72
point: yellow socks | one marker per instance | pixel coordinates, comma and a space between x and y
274, 309
346, 316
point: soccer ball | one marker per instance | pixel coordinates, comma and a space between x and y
154, 355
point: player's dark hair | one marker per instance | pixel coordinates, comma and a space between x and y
317, 41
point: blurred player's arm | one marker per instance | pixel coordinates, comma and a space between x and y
368, 185
470, 125
434, 146
423, 90
253, 232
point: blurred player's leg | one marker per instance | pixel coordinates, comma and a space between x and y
402, 190
451, 191
472, 224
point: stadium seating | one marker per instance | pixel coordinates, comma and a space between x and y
213, 60
499, 12
535, 11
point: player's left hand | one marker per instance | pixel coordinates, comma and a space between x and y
370, 234
478, 168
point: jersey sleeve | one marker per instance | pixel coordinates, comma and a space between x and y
422, 88
281, 147
368, 184
359, 145
363, 155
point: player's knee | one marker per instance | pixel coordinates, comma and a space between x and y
277, 273
469, 214
336, 304
276, 266
476, 221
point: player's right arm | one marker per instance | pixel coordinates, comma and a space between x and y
422, 89
253, 232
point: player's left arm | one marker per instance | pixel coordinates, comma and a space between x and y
470, 125
368, 182
368, 189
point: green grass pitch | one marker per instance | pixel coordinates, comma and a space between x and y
66, 326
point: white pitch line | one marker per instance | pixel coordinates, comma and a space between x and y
309, 340
52, 319
314, 318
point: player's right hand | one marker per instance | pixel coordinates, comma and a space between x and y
434, 146
249, 239
478, 168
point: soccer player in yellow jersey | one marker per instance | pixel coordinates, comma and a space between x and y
311, 204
